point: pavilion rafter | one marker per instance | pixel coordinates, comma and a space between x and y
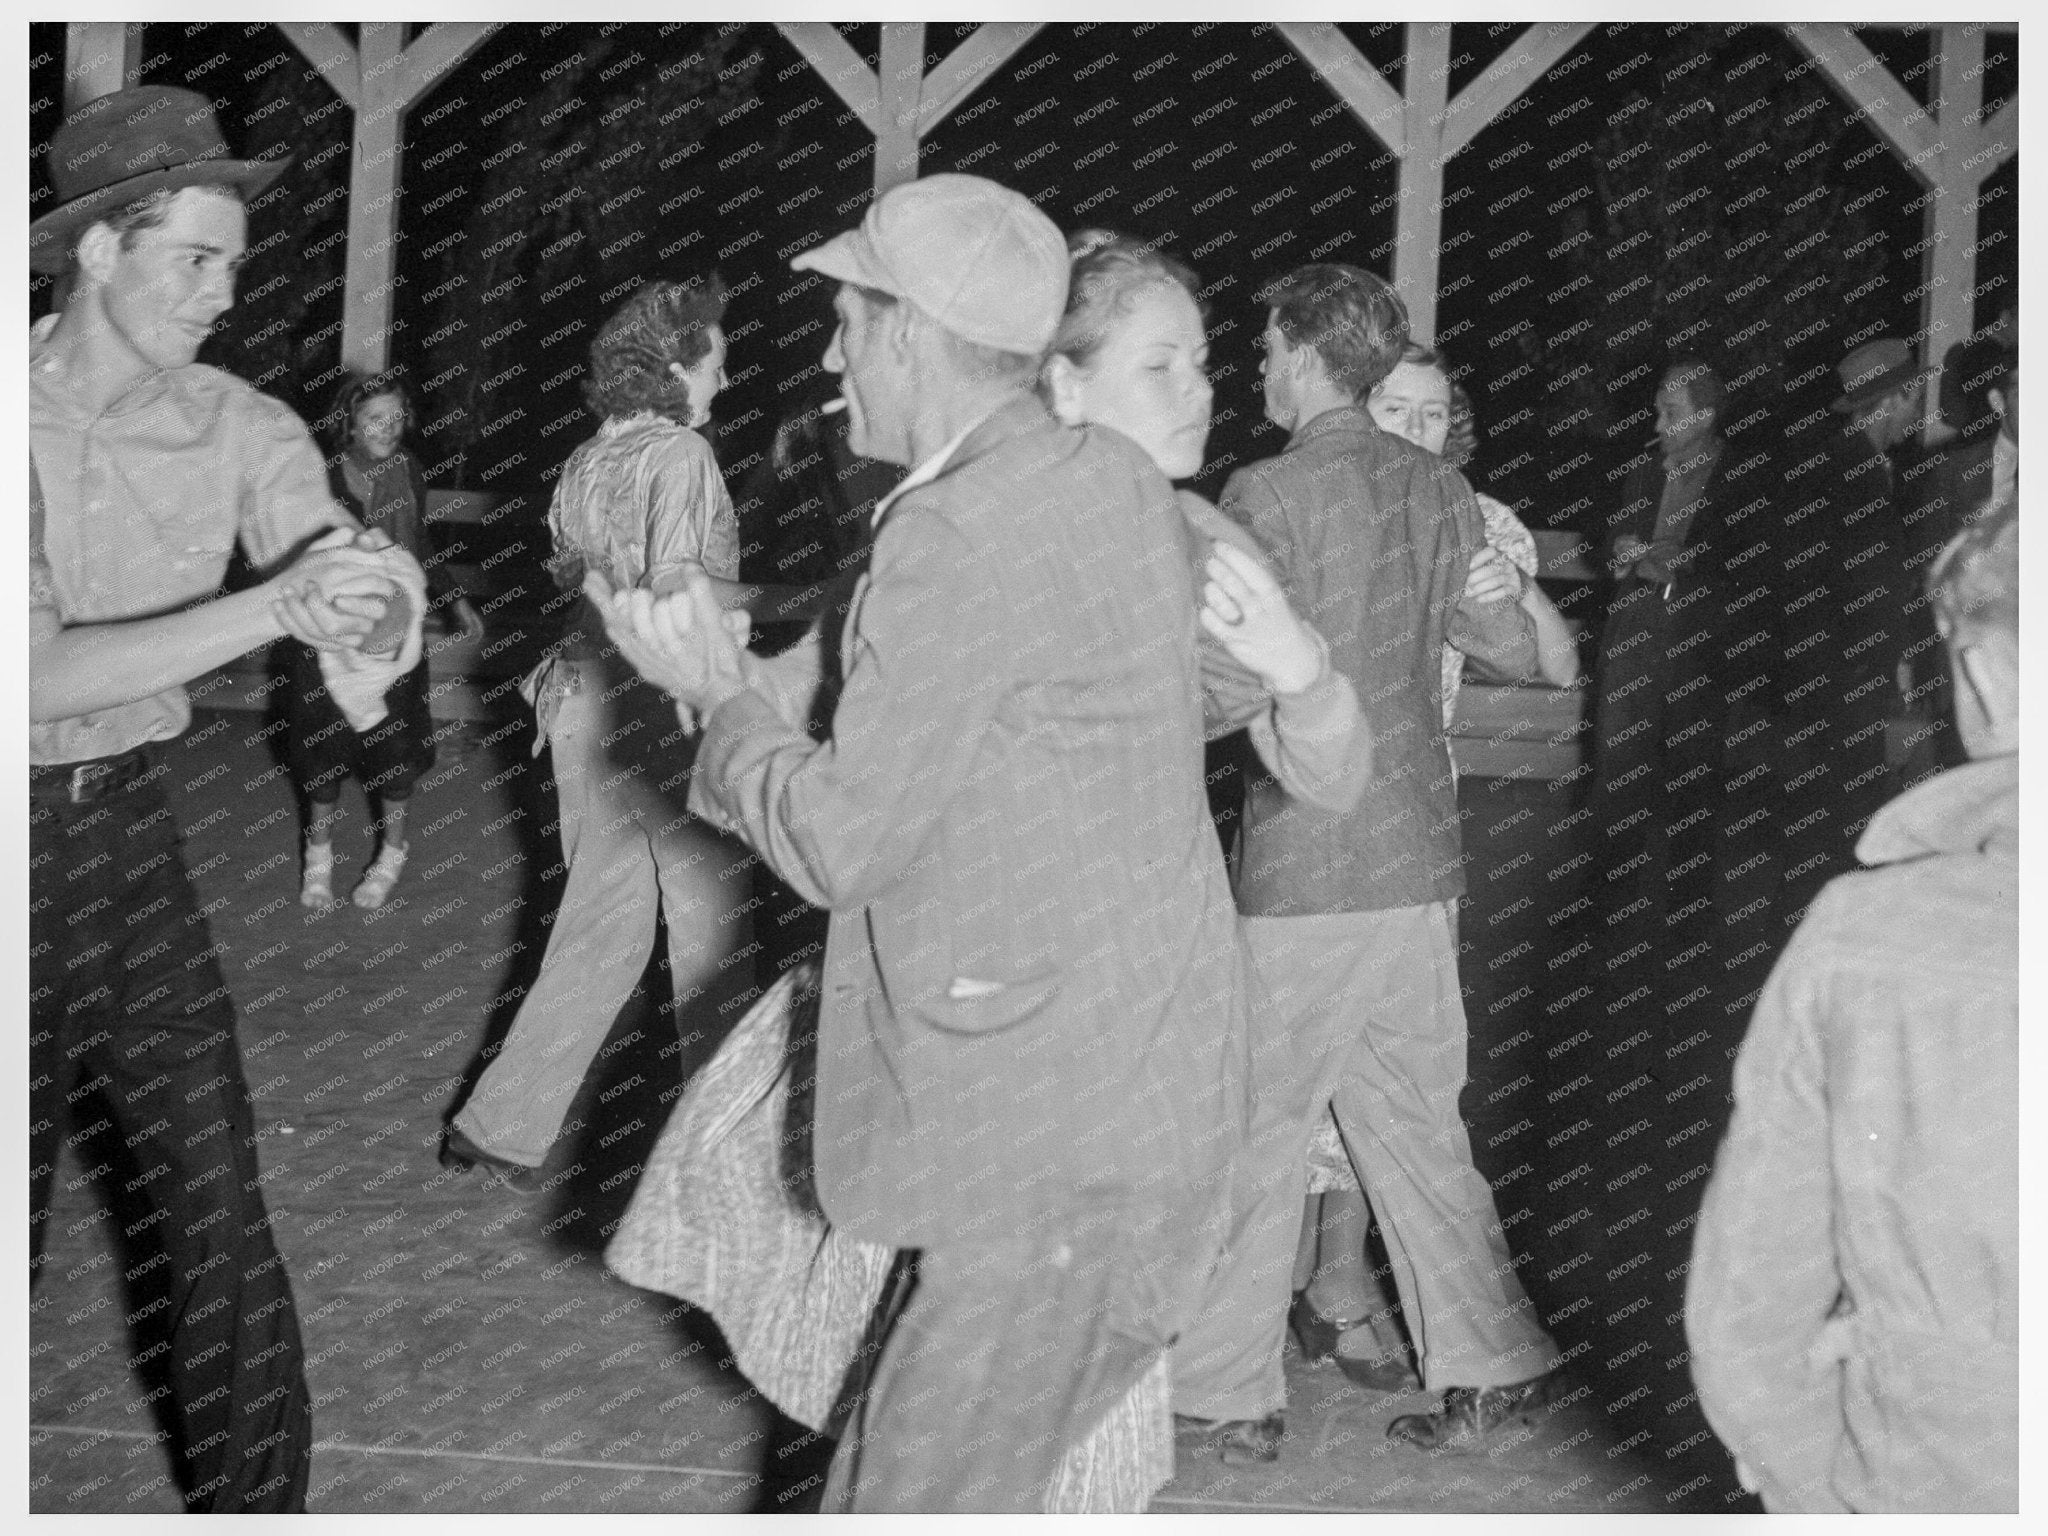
382, 78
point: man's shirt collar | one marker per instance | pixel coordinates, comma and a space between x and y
931, 468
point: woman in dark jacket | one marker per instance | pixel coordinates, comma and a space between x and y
380, 481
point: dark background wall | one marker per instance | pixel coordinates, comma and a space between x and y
1662, 181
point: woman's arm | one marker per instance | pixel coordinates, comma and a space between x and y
1557, 648
1507, 568
764, 602
1492, 576
1313, 736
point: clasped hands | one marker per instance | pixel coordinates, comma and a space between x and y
333, 593
682, 642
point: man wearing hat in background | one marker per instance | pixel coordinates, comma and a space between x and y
1943, 493
1871, 564
1031, 1053
145, 468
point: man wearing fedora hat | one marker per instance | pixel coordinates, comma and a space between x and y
1032, 1043
1884, 400
1875, 562
145, 468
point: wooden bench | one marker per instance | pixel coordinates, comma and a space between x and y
1529, 731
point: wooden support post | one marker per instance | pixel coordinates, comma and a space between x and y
1418, 230
381, 81
373, 198
1948, 267
900, 82
1947, 146
100, 58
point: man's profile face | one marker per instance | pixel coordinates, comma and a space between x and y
1906, 410
1680, 423
163, 295
866, 381
1278, 372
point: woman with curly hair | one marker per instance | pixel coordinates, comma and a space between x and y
643, 502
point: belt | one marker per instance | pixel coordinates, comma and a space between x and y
80, 783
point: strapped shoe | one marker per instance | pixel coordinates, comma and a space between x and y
1240, 1442
1468, 1416
316, 886
460, 1153
374, 889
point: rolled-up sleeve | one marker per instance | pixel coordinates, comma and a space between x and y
1764, 1278
284, 495
690, 516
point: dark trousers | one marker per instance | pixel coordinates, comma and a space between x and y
324, 749
133, 1054
1007, 1353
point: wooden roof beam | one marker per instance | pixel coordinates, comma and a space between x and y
1528, 59
100, 58
2001, 133
436, 51
832, 56
969, 67
1419, 220
1352, 76
899, 82
328, 52
1860, 76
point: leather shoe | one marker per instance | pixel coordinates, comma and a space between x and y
1469, 1417
460, 1153
1316, 1334
1240, 1442
1387, 1369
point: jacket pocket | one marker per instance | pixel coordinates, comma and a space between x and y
971, 1006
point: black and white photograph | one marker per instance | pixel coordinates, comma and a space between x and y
1177, 764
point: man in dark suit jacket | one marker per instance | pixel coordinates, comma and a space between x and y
1031, 1062
1662, 715
1348, 914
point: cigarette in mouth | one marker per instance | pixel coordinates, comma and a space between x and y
833, 406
